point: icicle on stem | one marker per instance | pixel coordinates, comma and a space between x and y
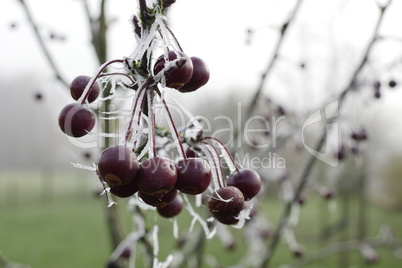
224, 150
219, 183
151, 124
139, 95
172, 125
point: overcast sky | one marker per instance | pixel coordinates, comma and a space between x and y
327, 35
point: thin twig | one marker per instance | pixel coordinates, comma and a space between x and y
98, 29
143, 13
42, 43
271, 63
275, 55
312, 159
345, 246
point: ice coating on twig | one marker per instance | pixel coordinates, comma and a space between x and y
196, 217
225, 154
172, 129
175, 228
155, 240
81, 166
133, 127
211, 158
294, 214
106, 191
242, 217
130, 239
146, 40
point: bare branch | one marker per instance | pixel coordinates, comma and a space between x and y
274, 58
375, 242
312, 159
42, 44
271, 64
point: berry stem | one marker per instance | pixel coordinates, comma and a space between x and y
151, 125
218, 178
91, 82
151, 81
174, 37
171, 123
139, 95
224, 150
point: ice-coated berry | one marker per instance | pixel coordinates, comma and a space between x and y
78, 85
247, 181
177, 77
199, 78
193, 175
126, 190
118, 165
172, 209
157, 176
76, 121
156, 201
225, 204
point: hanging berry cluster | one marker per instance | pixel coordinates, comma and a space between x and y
132, 169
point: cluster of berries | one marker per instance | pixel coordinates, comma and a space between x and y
157, 180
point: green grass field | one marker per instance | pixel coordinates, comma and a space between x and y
51, 219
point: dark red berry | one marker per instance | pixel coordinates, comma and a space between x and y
359, 135
377, 85
38, 96
172, 209
190, 153
225, 204
78, 85
193, 175
126, 253
200, 76
158, 202
247, 181
126, 190
281, 110
76, 121
118, 165
157, 176
341, 153
178, 77
392, 83
298, 252
328, 194
87, 155
301, 199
